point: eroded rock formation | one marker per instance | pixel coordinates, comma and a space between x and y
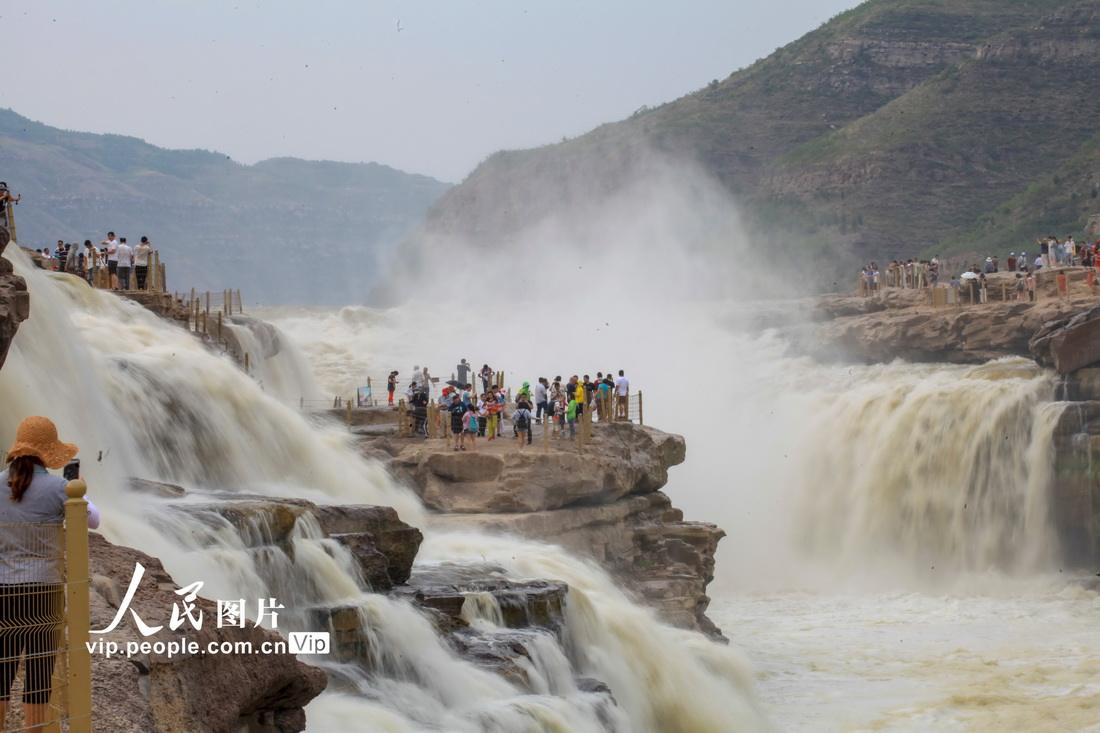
187, 692
603, 502
901, 325
15, 304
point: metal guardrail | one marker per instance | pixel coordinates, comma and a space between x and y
45, 620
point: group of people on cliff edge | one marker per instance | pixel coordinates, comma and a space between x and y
127, 266
467, 414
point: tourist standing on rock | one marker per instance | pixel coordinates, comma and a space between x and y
571, 417
111, 245
462, 373
32, 593
125, 256
469, 425
486, 377
494, 409
419, 403
391, 386
1012, 262
90, 261
142, 253
603, 397
541, 392
521, 420
1030, 280
72, 260
425, 380
622, 397
482, 414
458, 410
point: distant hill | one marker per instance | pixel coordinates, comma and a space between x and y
282, 230
899, 127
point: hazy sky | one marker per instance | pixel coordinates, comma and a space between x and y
338, 80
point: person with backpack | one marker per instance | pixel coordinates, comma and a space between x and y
521, 421
419, 405
469, 425
458, 412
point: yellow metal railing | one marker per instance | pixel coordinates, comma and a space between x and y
44, 622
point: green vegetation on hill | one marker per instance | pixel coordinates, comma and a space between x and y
282, 230
898, 126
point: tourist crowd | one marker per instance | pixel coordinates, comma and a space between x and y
1050, 252
467, 413
127, 265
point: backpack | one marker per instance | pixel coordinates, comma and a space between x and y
521, 420
472, 425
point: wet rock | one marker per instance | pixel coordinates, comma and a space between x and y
383, 546
188, 692
15, 304
1069, 343
642, 540
157, 488
373, 530
164, 305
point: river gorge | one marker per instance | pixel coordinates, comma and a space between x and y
900, 538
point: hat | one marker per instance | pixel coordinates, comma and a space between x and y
37, 436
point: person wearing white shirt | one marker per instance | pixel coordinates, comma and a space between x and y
125, 259
111, 245
141, 262
622, 397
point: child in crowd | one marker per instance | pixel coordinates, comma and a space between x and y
502, 399
493, 408
469, 425
571, 417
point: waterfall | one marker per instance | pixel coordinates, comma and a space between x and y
144, 398
944, 470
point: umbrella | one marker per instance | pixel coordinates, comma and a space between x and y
455, 383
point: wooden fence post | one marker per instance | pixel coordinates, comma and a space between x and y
402, 419
78, 613
641, 415
240, 303
347, 413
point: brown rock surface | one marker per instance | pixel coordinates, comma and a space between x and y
187, 692
498, 477
642, 540
15, 304
921, 333
383, 546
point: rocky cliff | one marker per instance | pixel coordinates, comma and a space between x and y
603, 502
185, 692
903, 325
15, 304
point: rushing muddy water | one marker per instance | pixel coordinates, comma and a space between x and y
144, 398
890, 563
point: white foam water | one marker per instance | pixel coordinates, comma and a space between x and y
144, 398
